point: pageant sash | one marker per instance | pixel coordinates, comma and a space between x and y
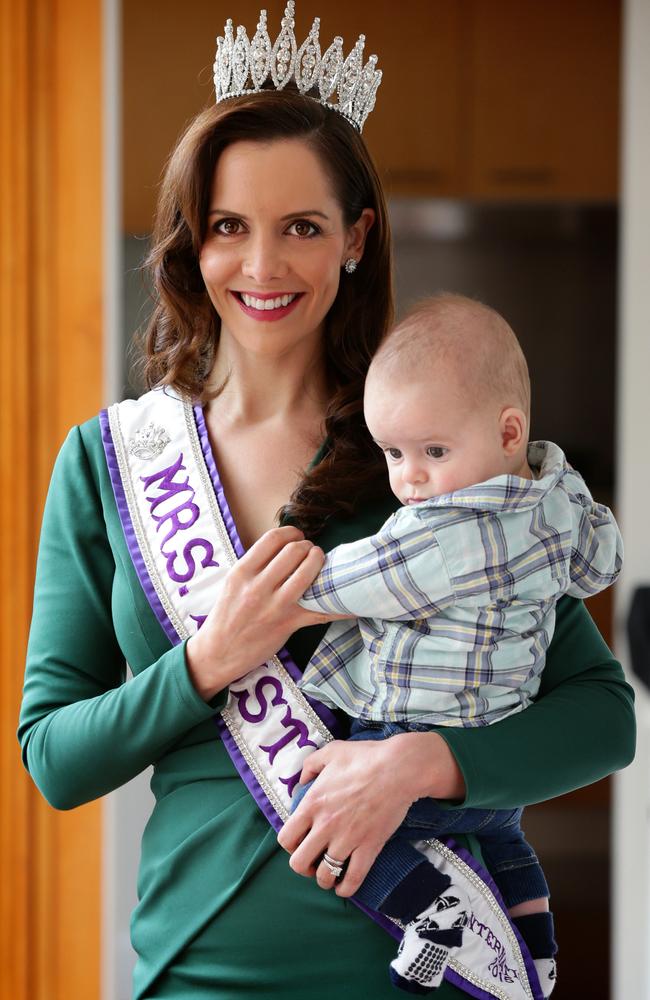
182, 539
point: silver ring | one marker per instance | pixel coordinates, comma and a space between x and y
334, 866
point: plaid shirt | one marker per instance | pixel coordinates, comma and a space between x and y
455, 598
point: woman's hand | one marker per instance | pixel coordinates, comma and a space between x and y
362, 793
255, 611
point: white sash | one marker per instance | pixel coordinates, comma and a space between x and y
183, 540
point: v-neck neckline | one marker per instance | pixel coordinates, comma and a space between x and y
217, 483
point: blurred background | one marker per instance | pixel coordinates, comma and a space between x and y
513, 139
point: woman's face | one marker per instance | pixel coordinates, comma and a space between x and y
274, 245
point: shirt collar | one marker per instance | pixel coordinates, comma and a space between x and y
507, 493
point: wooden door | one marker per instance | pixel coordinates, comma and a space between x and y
50, 378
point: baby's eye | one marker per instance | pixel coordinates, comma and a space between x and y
436, 451
393, 453
304, 228
229, 227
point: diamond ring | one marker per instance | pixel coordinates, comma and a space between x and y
334, 866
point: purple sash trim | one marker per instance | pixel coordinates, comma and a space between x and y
228, 519
294, 672
485, 876
247, 775
323, 711
274, 820
129, 531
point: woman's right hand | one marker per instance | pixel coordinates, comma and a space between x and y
256, 610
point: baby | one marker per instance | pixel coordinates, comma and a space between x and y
455, 598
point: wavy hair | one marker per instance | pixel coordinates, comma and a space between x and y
182, 336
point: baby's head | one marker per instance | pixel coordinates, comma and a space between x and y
447, 399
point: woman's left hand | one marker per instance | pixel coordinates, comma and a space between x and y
363, 792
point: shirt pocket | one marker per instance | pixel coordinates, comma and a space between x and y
394, 658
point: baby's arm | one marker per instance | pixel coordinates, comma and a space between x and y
397, 574
597, 552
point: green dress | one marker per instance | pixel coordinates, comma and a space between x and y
220, 913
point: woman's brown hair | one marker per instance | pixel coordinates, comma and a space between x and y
183, 333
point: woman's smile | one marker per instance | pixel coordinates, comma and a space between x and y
267, 306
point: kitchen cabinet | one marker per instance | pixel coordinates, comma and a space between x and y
501, 99
543, 106
416, 132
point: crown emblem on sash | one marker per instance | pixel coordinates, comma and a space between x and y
149, 441
243, 67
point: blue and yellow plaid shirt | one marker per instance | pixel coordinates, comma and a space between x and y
455, 598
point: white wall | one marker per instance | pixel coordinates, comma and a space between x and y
126, 812
631, 869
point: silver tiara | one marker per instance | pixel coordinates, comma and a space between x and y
243, 67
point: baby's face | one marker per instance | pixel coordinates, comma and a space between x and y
434, 441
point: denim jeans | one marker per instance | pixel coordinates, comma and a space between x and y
509, 858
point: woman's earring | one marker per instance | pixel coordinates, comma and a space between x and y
350, 265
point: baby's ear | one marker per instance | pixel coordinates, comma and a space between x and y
514, 429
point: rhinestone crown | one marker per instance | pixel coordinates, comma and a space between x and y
243, 67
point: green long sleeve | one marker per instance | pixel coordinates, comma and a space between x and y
83, 731
580, 729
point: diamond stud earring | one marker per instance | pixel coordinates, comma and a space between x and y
350, 265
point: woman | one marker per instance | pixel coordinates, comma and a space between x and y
265, 200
